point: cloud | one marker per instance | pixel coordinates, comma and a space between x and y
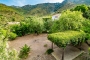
54, 1
19, 2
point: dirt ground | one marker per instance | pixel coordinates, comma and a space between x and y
38, 44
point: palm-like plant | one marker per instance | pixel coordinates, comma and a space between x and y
24, 51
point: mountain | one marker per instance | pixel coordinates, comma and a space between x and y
72, 3
65, 7
41, 9
87, 2
49, 8
10, 13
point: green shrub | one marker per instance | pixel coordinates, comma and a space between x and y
87, 14
30, 25
20, 30
24, 51
12, 36
49, 51
82, 8
5, 53
86, 28
15, 29
36, 25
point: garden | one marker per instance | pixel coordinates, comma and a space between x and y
36, 37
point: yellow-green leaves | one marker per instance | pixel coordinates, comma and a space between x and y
62, 39
68, 21
6, 54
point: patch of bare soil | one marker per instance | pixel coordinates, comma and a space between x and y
38, 44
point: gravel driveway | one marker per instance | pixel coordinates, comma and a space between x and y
38, 44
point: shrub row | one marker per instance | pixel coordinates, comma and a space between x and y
62, 39
30, 25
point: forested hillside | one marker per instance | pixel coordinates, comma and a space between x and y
10, 13
41, 9
87, 2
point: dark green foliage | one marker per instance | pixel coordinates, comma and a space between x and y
30, 25
49, 51
62, 39
68, 21
25, 50
16, 29
21, 29
85, 9
86, 14
82, 8
13, 19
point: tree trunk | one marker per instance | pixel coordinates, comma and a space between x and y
63, 54
52, 45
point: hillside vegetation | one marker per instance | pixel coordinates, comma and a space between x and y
42, 9
10, 13
87, 2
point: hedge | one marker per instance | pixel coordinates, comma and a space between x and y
62, 39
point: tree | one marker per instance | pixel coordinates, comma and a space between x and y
29, 25
62, 39
82, 8
68, 21
36, 25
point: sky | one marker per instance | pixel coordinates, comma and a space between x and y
25, 2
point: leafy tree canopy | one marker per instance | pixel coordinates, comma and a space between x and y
68, 21
82, 8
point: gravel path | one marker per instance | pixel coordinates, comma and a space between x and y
38, 44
